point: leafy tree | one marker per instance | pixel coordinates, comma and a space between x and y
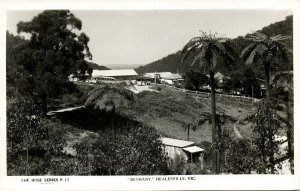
110, 98
54, 51
211, 52
266, 125
240, 157
282, 91
28, 138
17, 79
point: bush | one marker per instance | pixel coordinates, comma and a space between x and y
137, 150
28, 144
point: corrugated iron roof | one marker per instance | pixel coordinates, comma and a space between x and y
114, 73
193, 149
176, 142
162, 74
173, 77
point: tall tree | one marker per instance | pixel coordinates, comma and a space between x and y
282, 87
210, 52
54, 51
265, 50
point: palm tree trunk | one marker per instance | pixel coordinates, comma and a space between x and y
267, 81
213, 123
267, 84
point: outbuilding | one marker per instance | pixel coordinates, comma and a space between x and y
118, 75
185, 149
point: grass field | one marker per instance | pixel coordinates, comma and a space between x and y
169, 111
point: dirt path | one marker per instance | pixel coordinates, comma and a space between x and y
237, 132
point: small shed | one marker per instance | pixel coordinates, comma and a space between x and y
186, 149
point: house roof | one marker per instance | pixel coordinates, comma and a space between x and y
114, 73
65, 110
176, 142
173, 77
162, 74
193, 149
219, 75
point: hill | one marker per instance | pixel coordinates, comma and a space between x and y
173, 63
95, 66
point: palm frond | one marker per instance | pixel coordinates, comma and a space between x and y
248, 49
222, 50
280, 38
109, 97
190, 49
258, 50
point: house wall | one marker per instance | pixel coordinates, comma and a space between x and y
172, 152
125, 77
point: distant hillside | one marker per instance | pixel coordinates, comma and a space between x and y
95, 66
172, 62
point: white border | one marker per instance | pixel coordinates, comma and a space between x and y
208, 182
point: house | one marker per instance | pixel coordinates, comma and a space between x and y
114, 75
170, 79
158, 75
164, 77
185, 149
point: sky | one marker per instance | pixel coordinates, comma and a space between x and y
124, 39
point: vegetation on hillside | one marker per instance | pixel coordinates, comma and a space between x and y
172, 63
118, 132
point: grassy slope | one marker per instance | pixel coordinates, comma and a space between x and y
169, 111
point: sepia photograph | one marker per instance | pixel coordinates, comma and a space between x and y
134, 93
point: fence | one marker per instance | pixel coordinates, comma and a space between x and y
222, 97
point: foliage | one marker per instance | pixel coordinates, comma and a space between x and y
110, 97
266, 126
137, 151
240, 157
243, 80
178, 165
282, 92
264, 50
172, 62
28, 137
195, 80
95, 66
54, 51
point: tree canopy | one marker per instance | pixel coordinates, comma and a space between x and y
55, 50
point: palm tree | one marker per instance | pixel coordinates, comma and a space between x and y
110, 98
210, 52
264, 49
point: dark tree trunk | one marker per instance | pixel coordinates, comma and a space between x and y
215, 161
267, 81
267, 84
289, 133
44, 99
188, 133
